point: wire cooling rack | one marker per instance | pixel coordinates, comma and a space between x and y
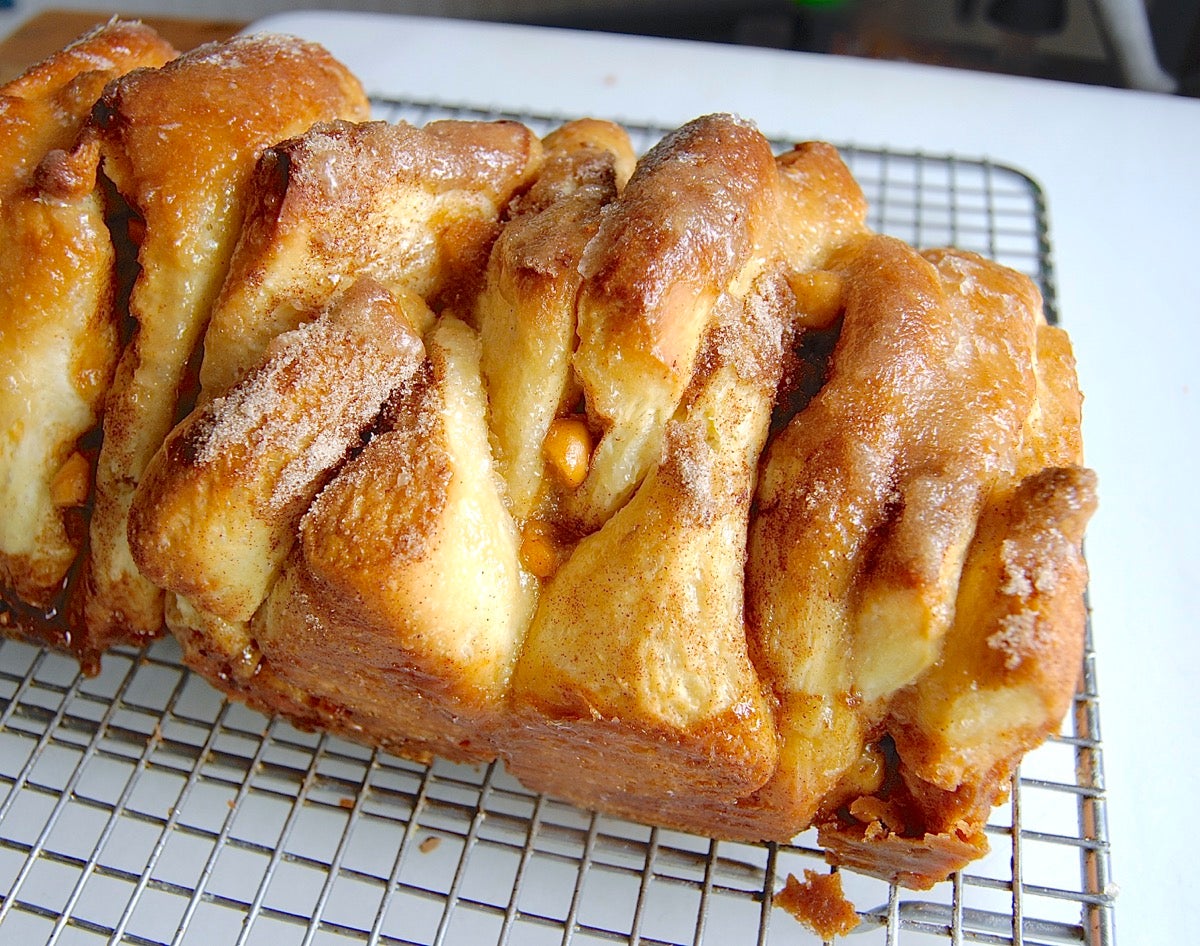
140, 807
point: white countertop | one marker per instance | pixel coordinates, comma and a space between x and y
1119, 170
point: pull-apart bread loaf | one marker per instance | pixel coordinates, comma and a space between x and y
663, 480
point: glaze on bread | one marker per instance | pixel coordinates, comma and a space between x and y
667, 482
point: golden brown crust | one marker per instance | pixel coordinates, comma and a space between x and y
375, 694
42, 109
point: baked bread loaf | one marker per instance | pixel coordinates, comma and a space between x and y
663, 480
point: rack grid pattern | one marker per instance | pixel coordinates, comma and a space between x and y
141, 807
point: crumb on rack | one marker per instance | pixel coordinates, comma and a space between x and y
819, 903
429, 844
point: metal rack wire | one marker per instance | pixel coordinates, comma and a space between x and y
141, 807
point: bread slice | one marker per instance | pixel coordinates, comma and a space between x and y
418, 512
180, 143
636, 666
217, 510
59, 338
526, 311
414, 208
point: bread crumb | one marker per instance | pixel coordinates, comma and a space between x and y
819, 903
429, 844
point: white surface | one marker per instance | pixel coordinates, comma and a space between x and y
1120, 173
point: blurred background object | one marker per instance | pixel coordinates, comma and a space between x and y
1144, 44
